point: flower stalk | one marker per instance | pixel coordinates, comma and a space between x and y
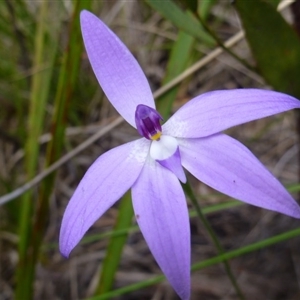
189, 191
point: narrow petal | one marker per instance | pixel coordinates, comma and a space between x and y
117, 71
229, 167
105, 182
216, 111
161, 212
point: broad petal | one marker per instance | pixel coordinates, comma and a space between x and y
161, 212
229, 167
216, 111
105, 182
117, 71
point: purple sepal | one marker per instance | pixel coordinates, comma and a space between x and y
147, 121
105, 182
226, 165
213, 112
116, 69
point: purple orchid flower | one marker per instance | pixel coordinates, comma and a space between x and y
153, 165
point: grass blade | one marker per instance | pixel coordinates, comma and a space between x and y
44, 52
182, 20
179, 59
206, 263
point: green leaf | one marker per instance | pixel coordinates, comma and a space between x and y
181, 19
274, 44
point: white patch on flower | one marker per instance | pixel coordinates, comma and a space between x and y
175, 126
164, 148
140, 150
182, 142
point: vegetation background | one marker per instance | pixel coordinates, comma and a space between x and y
55, 121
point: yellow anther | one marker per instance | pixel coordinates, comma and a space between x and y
156, 136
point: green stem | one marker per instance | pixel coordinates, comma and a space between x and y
116, 245
187, 188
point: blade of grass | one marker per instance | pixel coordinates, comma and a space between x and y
181, 20
178, 62
188, 190
206, 263
222, 45
205, 7
181, 57
67, 81
39, 93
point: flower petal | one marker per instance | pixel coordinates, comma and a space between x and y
117, 71
229, 167
105, 182
161, 212
216, 111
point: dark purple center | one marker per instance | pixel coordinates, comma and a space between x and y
147, 121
